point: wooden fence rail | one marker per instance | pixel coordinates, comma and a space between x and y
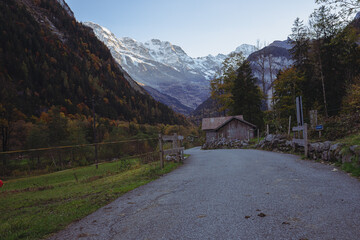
302, 141
175, 150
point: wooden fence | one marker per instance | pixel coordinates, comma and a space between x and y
176, 150
304, 140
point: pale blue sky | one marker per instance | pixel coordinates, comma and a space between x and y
200, 27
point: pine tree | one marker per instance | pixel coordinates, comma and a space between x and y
246, 96
221, 86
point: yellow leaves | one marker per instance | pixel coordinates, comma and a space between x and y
68, 101
221, 92
221, 87
351, 102
53, 60
96, 61
119, 100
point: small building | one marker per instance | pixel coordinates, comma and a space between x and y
231, 128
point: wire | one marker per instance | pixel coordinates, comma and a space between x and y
74, 146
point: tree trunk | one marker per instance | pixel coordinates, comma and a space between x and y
323, 87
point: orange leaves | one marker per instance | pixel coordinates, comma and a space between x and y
53, 60
44, 117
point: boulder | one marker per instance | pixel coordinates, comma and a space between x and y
327, 145
269, 137
355, 149
346, 158
325, 156
335, 146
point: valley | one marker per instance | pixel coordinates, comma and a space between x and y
166, 67
90, 118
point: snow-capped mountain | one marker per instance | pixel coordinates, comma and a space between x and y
164, 66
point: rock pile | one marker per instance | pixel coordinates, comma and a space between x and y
325, 151
226, 144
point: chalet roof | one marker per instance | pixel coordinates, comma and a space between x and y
213, 123
218, 122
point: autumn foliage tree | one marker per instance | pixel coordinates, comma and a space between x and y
287, 86
221, 86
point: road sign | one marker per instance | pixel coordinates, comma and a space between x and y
319, 127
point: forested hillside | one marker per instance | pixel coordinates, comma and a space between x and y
54, 60
325, 71
50, 61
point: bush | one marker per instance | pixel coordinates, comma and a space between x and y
340, 126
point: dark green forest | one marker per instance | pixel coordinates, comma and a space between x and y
325, 72
51, 62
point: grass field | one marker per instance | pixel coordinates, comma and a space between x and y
35, 207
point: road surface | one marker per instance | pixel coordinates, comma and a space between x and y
233, 194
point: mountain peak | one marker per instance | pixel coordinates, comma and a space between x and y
167, 68
246, 49
282, 44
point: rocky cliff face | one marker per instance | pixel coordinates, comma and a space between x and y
165, 67
267, 62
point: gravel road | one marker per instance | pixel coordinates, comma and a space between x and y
233, 194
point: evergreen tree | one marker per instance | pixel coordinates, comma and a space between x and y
246, 96
221, 86
301, 43
347, 7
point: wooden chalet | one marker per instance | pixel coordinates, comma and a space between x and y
230, 128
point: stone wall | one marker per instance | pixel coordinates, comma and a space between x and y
224, 143
325, 151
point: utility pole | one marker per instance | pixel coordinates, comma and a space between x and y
95, 138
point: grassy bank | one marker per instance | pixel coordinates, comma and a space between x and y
352, 167
33, 208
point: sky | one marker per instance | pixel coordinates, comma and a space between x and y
199, 27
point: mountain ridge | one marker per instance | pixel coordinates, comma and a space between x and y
52, 60
164, 66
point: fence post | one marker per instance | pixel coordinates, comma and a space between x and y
95, 138
176, 145
161, 151
305, 139
289, 125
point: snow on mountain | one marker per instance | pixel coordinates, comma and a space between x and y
246, 49
164, 66
357, 16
